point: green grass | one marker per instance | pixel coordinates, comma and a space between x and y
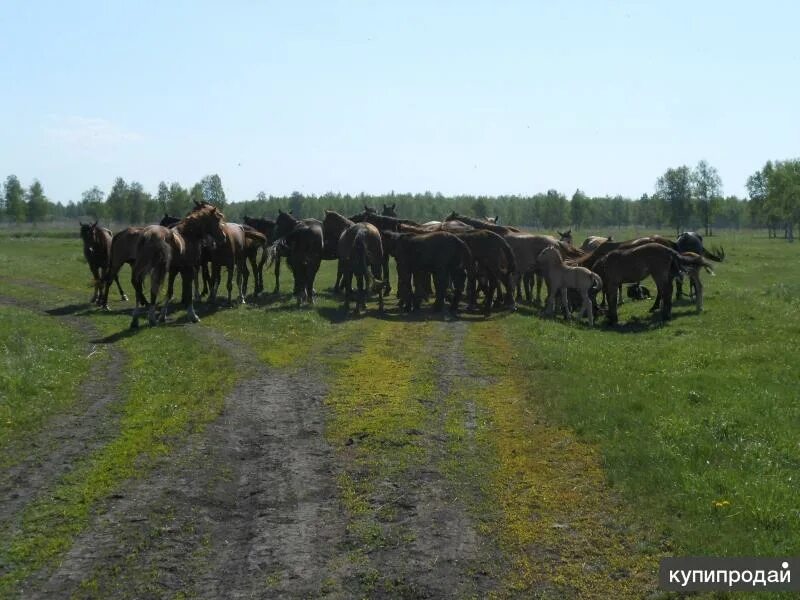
41, 366
696, 421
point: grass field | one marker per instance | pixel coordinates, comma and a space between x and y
514, 456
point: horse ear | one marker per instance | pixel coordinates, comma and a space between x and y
569, 231
394, 205
94, 224
365, 208
496, 219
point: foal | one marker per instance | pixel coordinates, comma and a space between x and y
97, 251
563, 277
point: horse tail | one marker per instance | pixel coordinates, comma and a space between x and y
598, 282
153, 253
467, 260
717, 255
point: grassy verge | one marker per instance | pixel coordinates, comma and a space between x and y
41, 367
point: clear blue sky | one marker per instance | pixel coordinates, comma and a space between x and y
455, 97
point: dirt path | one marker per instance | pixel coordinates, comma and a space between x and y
67, 437
247, 508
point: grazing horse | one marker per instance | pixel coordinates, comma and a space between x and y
360, 253
561, 277
302, 242
633, 264
440, 254
333, 226
97, 251
389, 211
163, 252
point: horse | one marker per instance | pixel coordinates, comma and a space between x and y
97, 252
495, 263
441, 254
561, 277
383, 224
633, 264
593, 241
565, 236
389, 211
123, 251
691, 241
169, 221
267, 228
242, 245
302, 242
696, 285
360, 253
333, 226
165, 252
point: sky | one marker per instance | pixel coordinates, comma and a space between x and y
452, 97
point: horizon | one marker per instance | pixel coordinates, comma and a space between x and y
459, 99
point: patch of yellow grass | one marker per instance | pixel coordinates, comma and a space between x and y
557, 522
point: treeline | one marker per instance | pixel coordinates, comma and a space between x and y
684, 198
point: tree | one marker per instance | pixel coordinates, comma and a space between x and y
783, 194
707, 188
15, 199
579, 209
479, 208
138, 200
196, 194
674, 188
92, 203
119, 202
163, 196
179, 201
212, 191
37, 202
553, 211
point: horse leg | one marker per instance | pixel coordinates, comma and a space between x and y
139, 295
487, 302
96, 275
611, 293
538, 301
122, 295
472, 292
311, 275
698, 290
208, 281
229, 283
242, 275
565, 303
657, 303
170, 290
387, 287
587, 307
155, 285
440, 284
360, 292
665, 290
347, 285
277, 274
187, 276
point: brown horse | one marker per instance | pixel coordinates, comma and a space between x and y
267, 228
333, 226
165, 252
389, 211
302, 242
633, 264
242, 245
97, 252
123, 251
440, 254
565, 236
495, 263
360, 253
593, 241
383, 224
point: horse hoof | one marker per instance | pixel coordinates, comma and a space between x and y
134, 325
124, 298
195, 319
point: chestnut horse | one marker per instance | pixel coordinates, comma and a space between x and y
163, 252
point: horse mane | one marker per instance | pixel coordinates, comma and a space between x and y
193, 222
339, 217
479, 224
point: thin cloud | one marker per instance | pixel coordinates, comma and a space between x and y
88, 133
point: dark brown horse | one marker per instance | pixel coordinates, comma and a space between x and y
97, 251
495, 263
384, 224
303, 243
163, 252
633, 264
123, 251
360, 253
389, 210
440, 254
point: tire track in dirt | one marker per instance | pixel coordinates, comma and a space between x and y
247, 508
448, 558
68, 436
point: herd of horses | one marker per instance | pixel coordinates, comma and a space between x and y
457, 257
